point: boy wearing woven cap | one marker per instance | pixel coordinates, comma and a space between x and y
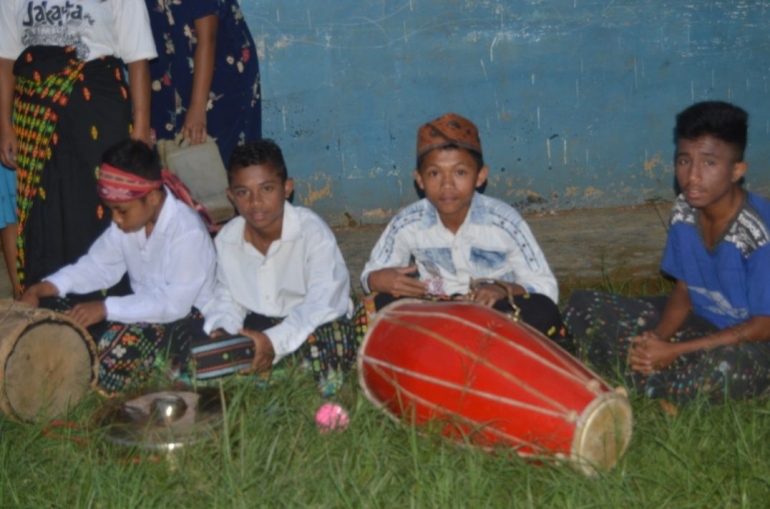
464, 244
167, 251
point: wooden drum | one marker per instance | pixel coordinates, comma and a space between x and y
47, 362
489, 381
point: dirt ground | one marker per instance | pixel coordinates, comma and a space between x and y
582, 246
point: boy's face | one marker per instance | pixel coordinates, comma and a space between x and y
258, 194
449, 177
132, 216
707, 168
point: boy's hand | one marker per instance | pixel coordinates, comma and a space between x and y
9, 147
88, 313
397, 282
218, 333
488, 295
263, 351
30, 297
194, 128
34, 293
649, 353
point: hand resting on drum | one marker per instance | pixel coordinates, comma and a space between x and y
88, 313
489, 294
263, 351
85, 313
34, 293
398, 281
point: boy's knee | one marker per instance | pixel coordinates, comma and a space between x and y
532, 305
382, 299
538, 311
581, 299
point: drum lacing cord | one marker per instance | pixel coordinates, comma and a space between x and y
475, 284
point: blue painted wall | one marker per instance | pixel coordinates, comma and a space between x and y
574, 99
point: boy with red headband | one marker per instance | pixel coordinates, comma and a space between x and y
463, 244
165, 248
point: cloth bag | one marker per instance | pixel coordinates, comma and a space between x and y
201, 169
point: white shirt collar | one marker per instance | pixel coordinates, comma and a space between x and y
291, 229
431, 217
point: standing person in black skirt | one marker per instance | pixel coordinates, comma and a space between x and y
62, 79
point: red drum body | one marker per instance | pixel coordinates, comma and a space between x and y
490, 381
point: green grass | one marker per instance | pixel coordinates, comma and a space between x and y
269, 453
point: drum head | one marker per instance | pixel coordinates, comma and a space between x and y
49, 370
602, 434
164, 420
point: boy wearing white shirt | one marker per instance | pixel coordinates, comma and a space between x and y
168, 254
457, 243
281, 278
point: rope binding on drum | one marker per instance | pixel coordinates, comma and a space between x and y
475, 284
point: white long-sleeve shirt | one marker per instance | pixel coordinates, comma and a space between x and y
302, 278
170, 271
494, 241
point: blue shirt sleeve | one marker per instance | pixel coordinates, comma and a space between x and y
758, 279
672, 260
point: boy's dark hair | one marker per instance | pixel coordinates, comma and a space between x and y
135, 157
477, 157
258, 152
723, 121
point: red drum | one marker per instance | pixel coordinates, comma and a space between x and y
491, 381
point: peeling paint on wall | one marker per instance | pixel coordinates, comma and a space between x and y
651, 165
311, 192
380, 215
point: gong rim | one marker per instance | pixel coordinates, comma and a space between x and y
141, 430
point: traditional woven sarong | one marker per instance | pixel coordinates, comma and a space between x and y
328, 353
603, 325
66, 114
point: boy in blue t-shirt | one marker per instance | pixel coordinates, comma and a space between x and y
711, 334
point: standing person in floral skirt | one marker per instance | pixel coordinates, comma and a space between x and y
205, 80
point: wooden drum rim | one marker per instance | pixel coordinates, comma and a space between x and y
28, 318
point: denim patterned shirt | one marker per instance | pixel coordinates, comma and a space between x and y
494, 241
